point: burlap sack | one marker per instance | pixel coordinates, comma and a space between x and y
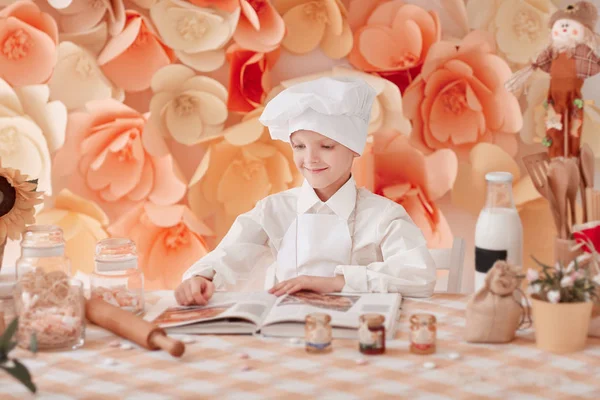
495, 312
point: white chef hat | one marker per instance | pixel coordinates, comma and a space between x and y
336, 107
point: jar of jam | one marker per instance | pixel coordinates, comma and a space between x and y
371, 334
318, 333
423, 332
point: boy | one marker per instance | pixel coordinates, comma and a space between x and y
326, 236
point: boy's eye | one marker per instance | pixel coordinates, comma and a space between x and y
327, 147
298, 146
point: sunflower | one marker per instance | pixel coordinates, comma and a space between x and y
18, 197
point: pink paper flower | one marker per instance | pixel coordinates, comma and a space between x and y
131, 58
260, 27
169, 240
249, 80
393, 168
28, 39
459, 98
391, 38
105, 159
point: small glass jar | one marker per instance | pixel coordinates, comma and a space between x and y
371, 334
43, 247
423, 332
116, 278
50, 306
318, 333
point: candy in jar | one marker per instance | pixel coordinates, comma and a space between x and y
371, 334
318, 333
423, 331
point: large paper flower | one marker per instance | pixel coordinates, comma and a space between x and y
386, 114
18, 197
249, 80
239, 170
469, 193
198, 35
30, 129
28, 39
311, 24
393, 168
186, 107
169, 239
85, 15
260, 27
77, 67
459, 98
105, 160
83, 223
391, 37
520, 27
131, 58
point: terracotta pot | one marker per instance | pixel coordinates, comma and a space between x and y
561, 327
563, 252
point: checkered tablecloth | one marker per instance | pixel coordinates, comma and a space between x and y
212, 368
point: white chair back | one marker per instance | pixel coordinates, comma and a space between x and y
451, 260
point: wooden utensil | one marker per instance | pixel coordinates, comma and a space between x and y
586, 168
571, 165
593, 204
537, 167
2, 325
558, 181
131, 327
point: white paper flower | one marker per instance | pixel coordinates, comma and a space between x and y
567, 281
186, 107
30, 129
534, 289
77, 68
554, 296
532, 275
198, 35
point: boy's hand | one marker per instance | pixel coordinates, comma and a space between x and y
194, 291
313, 283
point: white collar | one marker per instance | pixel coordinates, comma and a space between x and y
341, 203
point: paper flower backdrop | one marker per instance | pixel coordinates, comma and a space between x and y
140, 117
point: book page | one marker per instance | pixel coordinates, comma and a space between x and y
252, 307
344, 309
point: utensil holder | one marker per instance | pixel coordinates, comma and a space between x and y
564, 252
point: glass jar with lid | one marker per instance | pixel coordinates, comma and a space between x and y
116, 278
43, 247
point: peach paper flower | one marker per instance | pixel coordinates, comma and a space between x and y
77, 67
86, 15
249, 80
169, 239
83, 223
469, 193
131, 58
105, 160
386, 113
28, 39
186, 107
459, 98
225, 5
311, 24
260, 27
393, 168
391, 38
31, 128
198, 35
520, 27
236, 172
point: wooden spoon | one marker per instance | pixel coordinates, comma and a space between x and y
573, 187
558, 180
586, 167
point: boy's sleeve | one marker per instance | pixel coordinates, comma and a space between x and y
407, 266
242, 248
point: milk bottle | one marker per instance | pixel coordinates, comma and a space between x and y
498, 233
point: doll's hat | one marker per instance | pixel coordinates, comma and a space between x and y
583, 12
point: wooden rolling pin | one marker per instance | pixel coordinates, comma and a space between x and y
131, 327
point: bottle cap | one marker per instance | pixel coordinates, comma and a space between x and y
498, 177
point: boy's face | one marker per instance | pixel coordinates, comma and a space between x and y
322, 161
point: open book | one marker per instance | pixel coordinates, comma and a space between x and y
261, 312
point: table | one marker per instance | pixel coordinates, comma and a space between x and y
212, 368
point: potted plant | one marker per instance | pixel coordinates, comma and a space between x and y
562, 299
12, 366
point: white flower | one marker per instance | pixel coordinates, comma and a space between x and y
554, 296
534, 289
597, 279
587, 296
566, 281
532, 275
31, 128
